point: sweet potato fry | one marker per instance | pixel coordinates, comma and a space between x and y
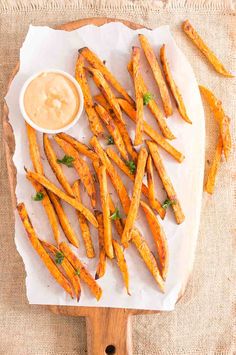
81, 167
119, 253
154, 203
156, 70
63, 220
102, 177
122, 127
115, 178
92, 58
103, 86
85, 231
101, 268
153, 107
94, 122
159, 238
60, 259
117, 221
211, 178
172, 85
133, 211
147, 256
56, 168
138, 95
52, 268
34, 149
179, 215
219, 115
145, 190
81, 270
112, 129
150, 181
128, 109
38, 166
201, 45
72, 201
80, 147
48, 208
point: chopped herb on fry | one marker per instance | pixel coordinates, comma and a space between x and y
116, 214
59, 258
38, 197
167, 203
110, 140
147, 97
131, 165
66, 160
77, 272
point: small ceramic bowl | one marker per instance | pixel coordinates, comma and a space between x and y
45, 130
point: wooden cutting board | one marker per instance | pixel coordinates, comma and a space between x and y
108, 329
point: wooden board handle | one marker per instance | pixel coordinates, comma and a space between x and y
109, 332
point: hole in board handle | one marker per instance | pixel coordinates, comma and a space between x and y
110, 350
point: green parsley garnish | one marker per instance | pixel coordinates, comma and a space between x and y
59, 257
77, 272
116, 215
167, 203
110, 140
66, 160
38, 197
131, 165
147, 97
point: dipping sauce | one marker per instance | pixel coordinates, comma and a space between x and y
51, 100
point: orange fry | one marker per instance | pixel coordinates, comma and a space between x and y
153, 107
64, 222
93, 59
173, 87
122, 127
115, 178
102, 177
119, 253
159, 238
147, 257
103, 86
60, 259
80, 147
201, 45
117, 221
130, 112
46, 202
94, 122
101, 268
179, 215
81, 270
83, 224
133, 211
34, 149
81, 167
138, 95
56, 168
50, 186
156, 70
219, 115
112, 129
52, 268
211, 178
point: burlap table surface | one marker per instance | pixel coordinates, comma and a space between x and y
203, 320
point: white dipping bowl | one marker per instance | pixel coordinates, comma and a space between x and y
28, 119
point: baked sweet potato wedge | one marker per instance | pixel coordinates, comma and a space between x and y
50, 265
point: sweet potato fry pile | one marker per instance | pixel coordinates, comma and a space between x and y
96, 167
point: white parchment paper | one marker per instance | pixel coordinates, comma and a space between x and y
45, 48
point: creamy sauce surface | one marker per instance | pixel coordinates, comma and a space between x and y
51, 100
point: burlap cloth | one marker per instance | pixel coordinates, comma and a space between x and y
203, 320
